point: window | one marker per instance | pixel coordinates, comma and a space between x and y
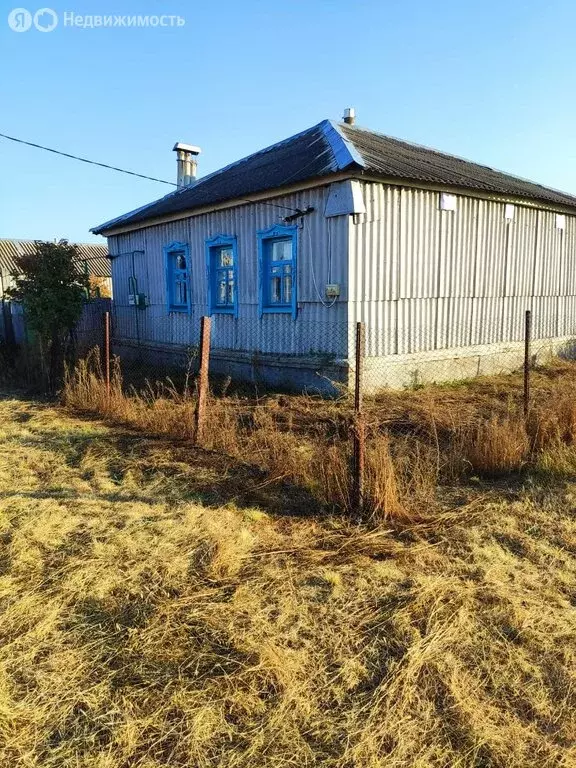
176, 257
221, 264
277, 257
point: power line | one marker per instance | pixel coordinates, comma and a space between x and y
85, 160
141, 175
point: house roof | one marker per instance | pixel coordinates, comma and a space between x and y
329, 148
91, 255
398, 159
310, 154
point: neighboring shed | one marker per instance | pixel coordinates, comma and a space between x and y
92, 260
289, 247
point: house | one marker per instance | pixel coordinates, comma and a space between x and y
92, 261
288, 248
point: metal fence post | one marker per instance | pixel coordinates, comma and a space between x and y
527, 336
107, 352
359, 433
200, 414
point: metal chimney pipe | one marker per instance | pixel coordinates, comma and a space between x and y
187, 164
349, 116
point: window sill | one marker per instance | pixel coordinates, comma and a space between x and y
179, 310
223, 311
284, 310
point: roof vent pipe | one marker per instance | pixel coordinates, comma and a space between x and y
350, 116
186, 155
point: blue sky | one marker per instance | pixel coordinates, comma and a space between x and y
491, 81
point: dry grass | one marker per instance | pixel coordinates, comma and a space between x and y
263, 434
157, 408
140, 629
496, 447
416, 440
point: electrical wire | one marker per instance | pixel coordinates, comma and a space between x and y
130, 173
272, 205
85, 160
92, 258
311, 257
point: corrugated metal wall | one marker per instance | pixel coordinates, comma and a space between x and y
322, 258
424, 279
420, 277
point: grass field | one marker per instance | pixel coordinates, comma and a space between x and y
167, 606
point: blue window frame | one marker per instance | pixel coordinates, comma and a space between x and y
177, 266
277, 251
221, 258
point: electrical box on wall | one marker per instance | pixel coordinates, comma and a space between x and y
137, 300
332, 290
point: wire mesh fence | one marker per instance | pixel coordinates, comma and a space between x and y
271, 350
274, 351
426, 363
344, 359
268, 333
213, 380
